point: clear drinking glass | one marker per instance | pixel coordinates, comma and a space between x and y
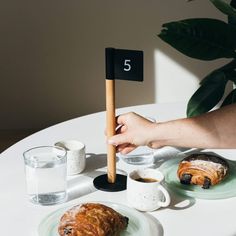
45, 169
142, 155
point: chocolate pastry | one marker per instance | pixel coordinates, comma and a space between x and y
92, 219
202, 169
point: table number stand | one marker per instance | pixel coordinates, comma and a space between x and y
125, 65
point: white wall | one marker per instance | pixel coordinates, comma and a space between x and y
52, 56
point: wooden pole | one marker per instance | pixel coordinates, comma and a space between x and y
111, 124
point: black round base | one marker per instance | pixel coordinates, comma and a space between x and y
102, 183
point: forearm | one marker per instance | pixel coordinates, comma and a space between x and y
216, 129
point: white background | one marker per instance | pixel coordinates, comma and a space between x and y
52, 56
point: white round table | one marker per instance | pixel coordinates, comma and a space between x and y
20, 217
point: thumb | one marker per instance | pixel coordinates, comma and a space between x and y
117, 140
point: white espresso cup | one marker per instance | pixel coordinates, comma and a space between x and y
76, 156
144, 190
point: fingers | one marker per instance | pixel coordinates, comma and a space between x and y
120, 127
122, 144
130, 129
122, 119
116, 140
126, 149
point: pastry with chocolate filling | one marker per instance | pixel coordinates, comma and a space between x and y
92, 219
202, 169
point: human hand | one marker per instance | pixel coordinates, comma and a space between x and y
134, 131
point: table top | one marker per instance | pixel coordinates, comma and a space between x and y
184, 216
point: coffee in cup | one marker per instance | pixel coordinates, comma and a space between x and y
145, 191
146, 180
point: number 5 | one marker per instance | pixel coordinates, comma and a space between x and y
127, 66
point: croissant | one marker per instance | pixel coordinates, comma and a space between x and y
202, 169
92, 219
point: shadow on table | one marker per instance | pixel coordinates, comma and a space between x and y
95, 161
180, 202
82, 184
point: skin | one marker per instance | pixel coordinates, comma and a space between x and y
215, 129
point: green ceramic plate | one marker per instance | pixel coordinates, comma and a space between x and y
225, 189
138, 223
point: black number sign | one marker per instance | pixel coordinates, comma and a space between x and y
124, 64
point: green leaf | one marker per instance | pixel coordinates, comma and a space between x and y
232, 19
204, 39
233, 3
228, 70
208, 95
231, 75
225, 7
231, 98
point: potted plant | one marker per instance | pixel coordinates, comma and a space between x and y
207, 39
